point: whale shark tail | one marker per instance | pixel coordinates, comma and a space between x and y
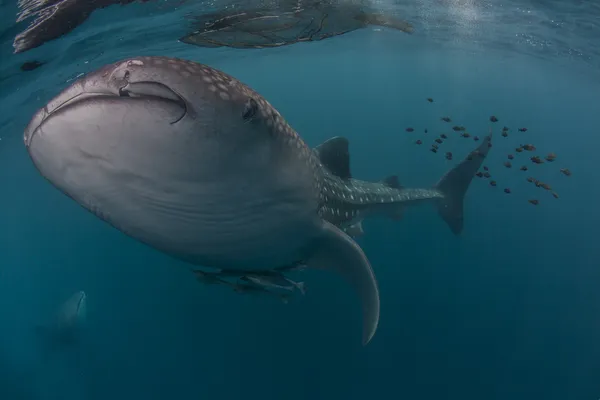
455, 183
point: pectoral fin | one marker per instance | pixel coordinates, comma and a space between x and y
338, 252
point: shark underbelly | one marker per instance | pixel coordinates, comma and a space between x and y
243, 220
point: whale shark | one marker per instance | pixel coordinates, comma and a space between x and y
196, 164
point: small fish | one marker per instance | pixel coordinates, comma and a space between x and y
465, 134
523, 168
254, 289
275, 281
265, 282
493, 183
487, 175
519, 149
510, 157
429, 99
551, 157
507, 190
530, 179
555, 195
565, 171
438, 140
485, 168
479, 174
507, 164
528, 147
444, 136
534, 202
433, 149
448, 155
456, 128
418, 141
476, 138
504, 134
545, 186
505, 129
537, 160
435, 146
522, 129
493, 119
446, 119
410, 129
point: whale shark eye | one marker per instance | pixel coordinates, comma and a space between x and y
250, 109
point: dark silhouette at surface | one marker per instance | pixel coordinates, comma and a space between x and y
31, 65
55, 18
249, 28
268, 27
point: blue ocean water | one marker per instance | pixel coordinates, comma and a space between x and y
508, 310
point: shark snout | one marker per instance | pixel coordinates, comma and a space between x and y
121, 81
92, 85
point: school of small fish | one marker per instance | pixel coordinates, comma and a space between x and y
521, 148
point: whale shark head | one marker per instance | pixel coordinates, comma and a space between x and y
196, 164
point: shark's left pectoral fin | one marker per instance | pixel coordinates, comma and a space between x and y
338, 252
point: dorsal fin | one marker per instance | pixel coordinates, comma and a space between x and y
334, 155
392, 181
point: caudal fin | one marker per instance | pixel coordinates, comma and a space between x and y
455, 183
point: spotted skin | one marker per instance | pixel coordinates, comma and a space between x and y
347, 202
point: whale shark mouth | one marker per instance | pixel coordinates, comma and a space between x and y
144, 91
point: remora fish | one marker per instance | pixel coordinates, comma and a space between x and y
348, 201
196, 164
64, 328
